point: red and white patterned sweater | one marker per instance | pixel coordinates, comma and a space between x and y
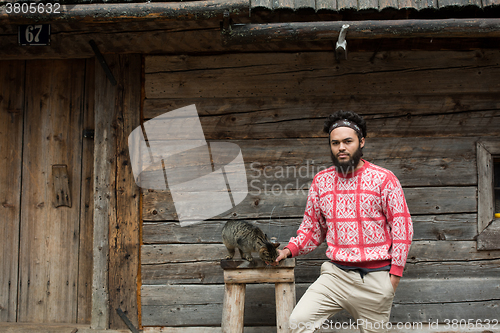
363, 216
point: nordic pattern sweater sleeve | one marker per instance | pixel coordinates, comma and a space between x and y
400, 223
313, 229
364, 219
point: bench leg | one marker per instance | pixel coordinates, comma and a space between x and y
233, 308
285, 302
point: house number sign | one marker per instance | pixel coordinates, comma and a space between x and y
34, 34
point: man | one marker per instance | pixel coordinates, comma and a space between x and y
360, 210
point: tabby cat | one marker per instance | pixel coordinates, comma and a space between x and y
248, 238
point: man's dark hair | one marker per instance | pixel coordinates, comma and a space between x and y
348, 115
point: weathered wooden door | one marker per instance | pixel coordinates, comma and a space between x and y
45, 177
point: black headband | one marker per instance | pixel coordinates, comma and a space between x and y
345, 123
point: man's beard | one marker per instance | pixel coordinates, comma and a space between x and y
351, 164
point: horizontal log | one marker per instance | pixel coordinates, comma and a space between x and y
451, 290
270, 275
158, 206
433, 253
70, 41
450, 227
366, 29
317, 74
306, 120
256, 263
269, 109
176, 305
308, 270
443, 161
223, 67
433, 227
105, 13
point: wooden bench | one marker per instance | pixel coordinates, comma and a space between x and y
237, 273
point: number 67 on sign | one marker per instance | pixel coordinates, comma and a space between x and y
34, 34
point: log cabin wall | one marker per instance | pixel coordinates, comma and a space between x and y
425, 110
425, 113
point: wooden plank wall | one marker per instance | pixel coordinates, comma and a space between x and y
425, 112
45, 265
116, 197
11, 130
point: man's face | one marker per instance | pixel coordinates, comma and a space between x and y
346, 149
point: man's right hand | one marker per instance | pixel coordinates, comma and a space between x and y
282, 254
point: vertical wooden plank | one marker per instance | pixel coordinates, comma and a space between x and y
385, 4
11, 131
305, 4
485, 200
116, 212
326, 4
261, 3
233, 308
86, 202
368, 4
49, 236
347, 4
285, 302
284, 4
104, 196
124, 231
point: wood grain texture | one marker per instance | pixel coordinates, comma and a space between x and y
289, 108
428, 254
255, 33
489, 238
368, 5
157, 235
443, 162
285, 302
318, 75
233, 308
326, 5
48, 274
61, 192
259, 118
109, 12
204, 36
271, 275
51, 328
12, 75
486, 199
116, 217
261, 202
192, 243
466, 296
124, 231
347, 5
104, 196
86, 250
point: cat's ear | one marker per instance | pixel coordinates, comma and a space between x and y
274, 241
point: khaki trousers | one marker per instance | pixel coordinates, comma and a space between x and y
368, 300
